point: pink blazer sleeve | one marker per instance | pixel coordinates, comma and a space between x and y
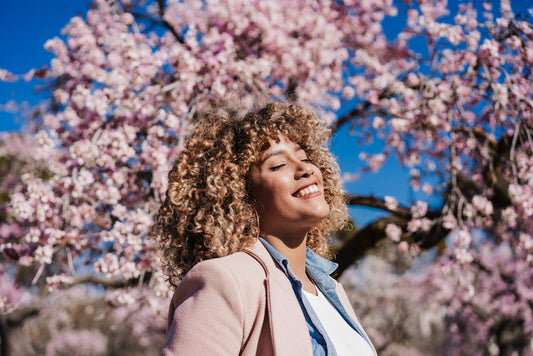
206, 314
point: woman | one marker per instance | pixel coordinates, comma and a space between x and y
249, 207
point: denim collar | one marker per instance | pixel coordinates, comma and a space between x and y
319, 269
313, 262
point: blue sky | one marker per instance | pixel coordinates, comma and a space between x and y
26, 25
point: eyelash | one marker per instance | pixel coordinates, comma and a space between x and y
275, 168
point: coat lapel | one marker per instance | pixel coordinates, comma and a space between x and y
290, 334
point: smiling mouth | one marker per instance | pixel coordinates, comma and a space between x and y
311, 189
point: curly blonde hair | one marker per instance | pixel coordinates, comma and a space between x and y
209, 207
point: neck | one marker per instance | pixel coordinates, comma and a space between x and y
293, 248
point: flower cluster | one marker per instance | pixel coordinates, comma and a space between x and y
487, 301
451, 96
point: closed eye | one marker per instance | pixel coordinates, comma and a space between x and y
275, 168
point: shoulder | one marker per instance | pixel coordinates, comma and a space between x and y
239, 265
238, 272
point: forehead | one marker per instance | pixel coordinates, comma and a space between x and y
282, 143
280, 147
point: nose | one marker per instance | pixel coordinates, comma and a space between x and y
304, 170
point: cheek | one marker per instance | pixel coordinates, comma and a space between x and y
271, 195
318, 172
268, 193
262, 193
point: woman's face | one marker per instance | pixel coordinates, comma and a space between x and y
288, 189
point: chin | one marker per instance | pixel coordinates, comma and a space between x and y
323, 209
321, 213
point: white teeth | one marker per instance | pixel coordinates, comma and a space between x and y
307, 190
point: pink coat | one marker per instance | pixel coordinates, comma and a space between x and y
242, 304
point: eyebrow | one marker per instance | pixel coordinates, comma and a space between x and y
279, 152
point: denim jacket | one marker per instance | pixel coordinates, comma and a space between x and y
319, 269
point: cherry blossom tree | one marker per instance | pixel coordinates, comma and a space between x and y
450, 97
486, 304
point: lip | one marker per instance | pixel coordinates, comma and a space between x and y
305, 186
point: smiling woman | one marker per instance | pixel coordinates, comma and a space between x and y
250, 204
288, 190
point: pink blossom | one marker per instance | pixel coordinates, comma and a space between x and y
427, 188
350, 177
449, 221
399, 125
448, 108
510, 216
57, 281
6, 75
82, 342
43, 254
376, 161
462, 239
390, 202
108, 265
348, 92
121, 298
482, 204
419, 209
393, 232
526, 241
500, 94
415, 225
119, 211
489, 49
378, 123
462, 256
403, 246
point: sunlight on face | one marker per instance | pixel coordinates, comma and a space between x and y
288, 189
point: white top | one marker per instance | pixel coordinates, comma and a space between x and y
345, 340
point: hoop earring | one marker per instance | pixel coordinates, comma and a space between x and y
257, 219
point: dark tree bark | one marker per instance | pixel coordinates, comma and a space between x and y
363, 240
4, 346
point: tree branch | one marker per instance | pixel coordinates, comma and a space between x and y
433, 237
374, 202
16, 317
369, 236
357, 111
4, 342
363, 240
291, 89
162, 21
478, 133
105, 282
